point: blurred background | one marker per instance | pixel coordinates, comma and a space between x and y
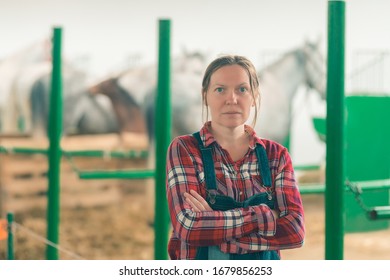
102, 38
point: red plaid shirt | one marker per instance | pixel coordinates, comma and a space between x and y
241, 230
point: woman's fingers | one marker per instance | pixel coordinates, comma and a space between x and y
188, 199
197, 202
204, 203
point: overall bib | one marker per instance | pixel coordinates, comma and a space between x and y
223, 203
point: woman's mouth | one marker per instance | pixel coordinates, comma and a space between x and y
231, 113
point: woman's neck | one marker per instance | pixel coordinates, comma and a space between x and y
228, 137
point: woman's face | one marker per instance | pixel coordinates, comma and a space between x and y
229, 96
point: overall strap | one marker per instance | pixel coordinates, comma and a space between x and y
263, 165
209, 170
208, 164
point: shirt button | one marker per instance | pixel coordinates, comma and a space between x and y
240, 193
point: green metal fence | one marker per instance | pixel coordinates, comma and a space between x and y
54, 153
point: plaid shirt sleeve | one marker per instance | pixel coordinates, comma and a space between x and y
290, 229
210, 227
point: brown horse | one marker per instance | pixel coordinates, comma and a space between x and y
129, 115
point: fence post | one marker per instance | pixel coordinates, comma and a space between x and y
335, 144
10, 240
163, 137
54, 153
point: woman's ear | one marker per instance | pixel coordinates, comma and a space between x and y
255, 100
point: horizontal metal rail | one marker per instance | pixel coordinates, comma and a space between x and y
379, 213
307, 167
100, 153
21, 150
373, 213
78, 153
373, 185
120, 174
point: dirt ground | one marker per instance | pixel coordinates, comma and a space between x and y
105, 219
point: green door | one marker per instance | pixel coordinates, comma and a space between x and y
367, 156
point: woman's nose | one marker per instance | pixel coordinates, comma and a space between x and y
231, 97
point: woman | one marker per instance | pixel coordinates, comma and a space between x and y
231, 194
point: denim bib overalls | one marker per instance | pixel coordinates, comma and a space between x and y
223, 203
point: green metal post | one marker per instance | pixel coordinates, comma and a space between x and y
163, 138
10, 242
54, 153
335, 144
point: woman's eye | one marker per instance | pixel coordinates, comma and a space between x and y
219, 90
243, 89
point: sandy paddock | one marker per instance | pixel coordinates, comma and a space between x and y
105, 219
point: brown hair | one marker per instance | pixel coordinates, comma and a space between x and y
228, 60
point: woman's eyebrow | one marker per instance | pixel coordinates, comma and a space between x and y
222, 85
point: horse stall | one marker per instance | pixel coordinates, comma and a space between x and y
95, 214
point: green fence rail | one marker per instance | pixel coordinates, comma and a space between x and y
117, 174
374, 185
133, 154
379, 213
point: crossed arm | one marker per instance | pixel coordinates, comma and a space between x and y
253, 228
199, 204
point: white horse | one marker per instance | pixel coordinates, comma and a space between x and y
24, 95
18, 72
279, 82
82, 113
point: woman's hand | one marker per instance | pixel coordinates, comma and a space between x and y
197, 202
